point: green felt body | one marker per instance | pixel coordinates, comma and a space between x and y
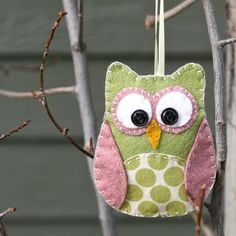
191, 77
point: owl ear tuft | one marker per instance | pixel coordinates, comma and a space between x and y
117, 72
192, 72
193, 67
192, 77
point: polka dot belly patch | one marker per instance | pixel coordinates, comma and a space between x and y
155, 186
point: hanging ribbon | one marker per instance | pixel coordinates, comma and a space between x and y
159, 55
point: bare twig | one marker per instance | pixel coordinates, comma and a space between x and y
150, 19
47, 46
51, 91
220, 118
204, 226
7, 68
2, 214
7, 211
199, 211
197, 216
90, 146
15, 130
41, 97
31, 68
224, 42
80, 61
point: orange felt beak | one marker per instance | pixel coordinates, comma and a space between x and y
154, 134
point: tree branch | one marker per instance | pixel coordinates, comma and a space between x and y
197, 216
220, 118
41, 97
17, 129
230, 74
51, 91
150, 19
204, 226
224, 42
6, 212
81, 25
199, 211
79, 55
2, 215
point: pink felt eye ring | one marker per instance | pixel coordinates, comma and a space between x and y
180, 100
125, 104
176, 99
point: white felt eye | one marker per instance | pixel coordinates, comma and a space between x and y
134, 111
176, 109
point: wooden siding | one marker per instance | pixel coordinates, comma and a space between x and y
40, 173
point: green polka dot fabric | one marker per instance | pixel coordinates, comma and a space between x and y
155, 186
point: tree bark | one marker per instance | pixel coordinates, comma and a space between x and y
215, 207
80, 61
230, 183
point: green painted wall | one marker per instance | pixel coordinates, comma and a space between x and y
40, 173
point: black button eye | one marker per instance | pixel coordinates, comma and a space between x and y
139, 118
169, 116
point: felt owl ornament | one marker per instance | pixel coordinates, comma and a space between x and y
155, 150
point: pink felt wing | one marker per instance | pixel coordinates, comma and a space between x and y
109, 171
200, 169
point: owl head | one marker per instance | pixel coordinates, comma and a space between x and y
159, 114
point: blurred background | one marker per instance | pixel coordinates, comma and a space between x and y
40, 172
